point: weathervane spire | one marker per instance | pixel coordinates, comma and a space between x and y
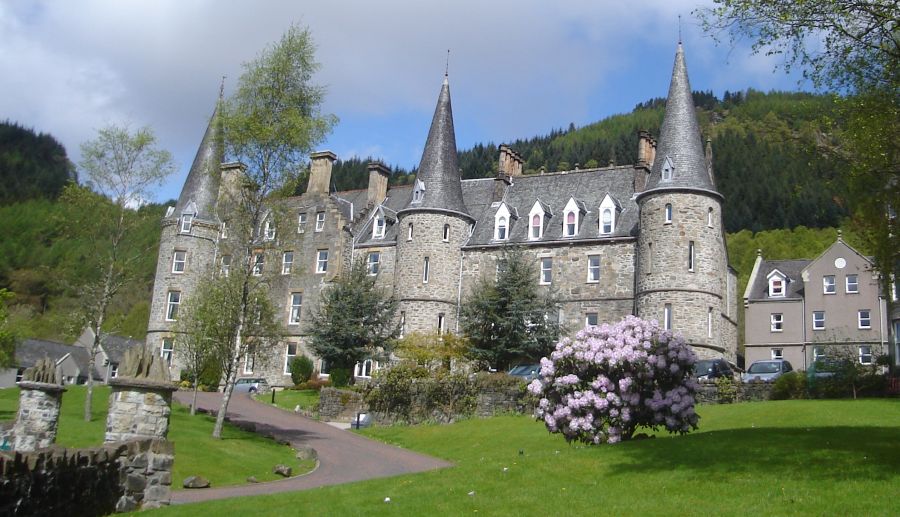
679, 29
447, 66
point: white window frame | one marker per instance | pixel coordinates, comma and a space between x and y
179, 261
606, 221
321, 262
113, 370
593, 270
607, 207
668, 170
259, 262
187, 222
167, 350
269, 230
776, 354
295, 308
776, 322
573, 231
402, 323
364, 369
776, 276
587, 319
819, 353
378, 226
287, 262
667, 210
288, 357
446, 235
667, 316
502, 223
536, 210
546, 277
409, 232
225, 264
320, 221
818, 320
301, 222
829, 286
249, 361
709, 217
691, 261
426, 265
223, 231
851, 287
864, 319
865, 354
173, 301
373, 263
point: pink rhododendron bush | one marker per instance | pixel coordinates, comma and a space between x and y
610, 380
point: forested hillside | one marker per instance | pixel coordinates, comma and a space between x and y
32, 166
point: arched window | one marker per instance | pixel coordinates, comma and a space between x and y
500, 234
668, 212
409, 232
607, 221
536, 226
571, 225
446, 233
709, 217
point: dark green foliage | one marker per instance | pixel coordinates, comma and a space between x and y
32, 166
509, 318
791, 385
340, 377
354, 321
7, 338
301, 369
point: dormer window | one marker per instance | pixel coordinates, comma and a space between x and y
535, 226
187, 220
418, 191
606, 224
378, 226
570, 218
571, 224
269, 231
536, 221
668, 169
776, 285
501, 229
501, 223
608, 211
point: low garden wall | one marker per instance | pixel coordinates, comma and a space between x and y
102, 480
710, 393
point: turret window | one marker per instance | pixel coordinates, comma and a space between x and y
409, 232
179, 259
224, 231
425, 270
187, 221
418, 192
709, 217
172, 303
668, 213
667, 316
691, 256
446, 233
668, 169
226, 265
167, 350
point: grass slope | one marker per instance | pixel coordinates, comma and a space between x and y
771, 458
228, 461
290, 399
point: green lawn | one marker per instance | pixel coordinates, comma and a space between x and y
290, 399
228, 461
769, 458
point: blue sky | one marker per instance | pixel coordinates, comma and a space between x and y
517, 68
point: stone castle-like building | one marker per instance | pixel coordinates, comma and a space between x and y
644, 239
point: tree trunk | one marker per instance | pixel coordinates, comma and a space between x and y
194, 398
232, 373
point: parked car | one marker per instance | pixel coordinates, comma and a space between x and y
250, 385
527, 372
711, 369
767, 371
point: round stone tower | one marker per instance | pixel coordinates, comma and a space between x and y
433, 226
188, 244
682, 263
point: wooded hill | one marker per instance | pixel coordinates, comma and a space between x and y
764, 158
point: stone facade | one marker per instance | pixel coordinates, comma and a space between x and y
138, 410
599, 232
38, 416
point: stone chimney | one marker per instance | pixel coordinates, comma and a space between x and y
510, 161
378, 183
320, 171
500, 183
645, 149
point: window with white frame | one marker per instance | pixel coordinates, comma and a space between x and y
571, 227
269, 230
500, 231
608, 211
536, 227
409, 232
446, 235
320, 221
287, 262
606, 221
289, 354
667, 316
418, 191
225, 265
379, 226
113, 370
591, 319
187, 221
402, 323
864, 318
818, 353
167, 349
301, 222
649, 257
173, 301
259, 260
852, 286
223, 231
691, 256
709, 217
818, 320
536, 221
426, 264
546, 270
179, 258
322, 261
668, 169
364, 368
865, 354
373, 260
593, 265
776, 285
709, 321
248, 363
501, 223
295, 309
828, 284
668, 213
776, 322
776, 353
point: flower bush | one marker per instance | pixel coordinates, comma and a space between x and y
609, 380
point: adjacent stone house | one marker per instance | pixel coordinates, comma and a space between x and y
803, 310
71, 362
110, 353
644, 239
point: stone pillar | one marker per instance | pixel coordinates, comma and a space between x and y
38, 416
141, 398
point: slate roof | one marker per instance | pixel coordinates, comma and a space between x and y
439, 168
679, 138
201, 187
116, 346
30, 351
790, 268
396, 200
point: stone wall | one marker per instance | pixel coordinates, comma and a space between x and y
38, 415
744, 392
338, 405
97, 481
138, 410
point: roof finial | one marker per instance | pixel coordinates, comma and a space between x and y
447, 67
679, 29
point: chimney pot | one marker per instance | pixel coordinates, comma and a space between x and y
378, 183
320, 167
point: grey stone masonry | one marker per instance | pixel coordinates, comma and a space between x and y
138, 410
38, 416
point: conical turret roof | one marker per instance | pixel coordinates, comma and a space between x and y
201, 188
680, 150
437, 185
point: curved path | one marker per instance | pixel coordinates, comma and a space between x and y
343, 456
